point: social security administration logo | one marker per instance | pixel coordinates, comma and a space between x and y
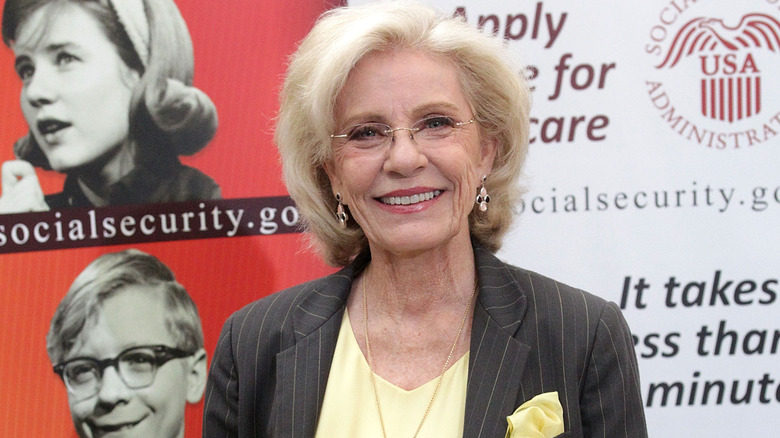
712, 74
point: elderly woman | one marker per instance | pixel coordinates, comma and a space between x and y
106, 93
127, 342
402, 134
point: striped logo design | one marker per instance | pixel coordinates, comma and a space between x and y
731, 82
731, 98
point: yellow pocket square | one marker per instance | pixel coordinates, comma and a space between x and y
540, 417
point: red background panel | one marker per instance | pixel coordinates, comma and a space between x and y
241, 48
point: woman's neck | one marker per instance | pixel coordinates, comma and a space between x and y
415, 307
409, 284
98, 177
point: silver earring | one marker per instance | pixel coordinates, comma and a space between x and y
482, 195
340, 213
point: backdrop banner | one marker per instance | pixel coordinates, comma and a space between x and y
652, 181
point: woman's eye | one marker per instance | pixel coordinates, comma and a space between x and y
437, 123
25, 71
366, 132
64, 58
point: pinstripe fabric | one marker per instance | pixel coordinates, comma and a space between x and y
530, 335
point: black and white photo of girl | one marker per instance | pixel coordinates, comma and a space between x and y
108, 98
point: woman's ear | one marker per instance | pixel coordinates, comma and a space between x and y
335, 180
196, 376
130, 76
488, 151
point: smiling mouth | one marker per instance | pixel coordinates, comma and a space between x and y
409, 200
51, 126
103, 429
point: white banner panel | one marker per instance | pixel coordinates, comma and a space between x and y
653, 182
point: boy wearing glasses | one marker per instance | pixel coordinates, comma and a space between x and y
127, 342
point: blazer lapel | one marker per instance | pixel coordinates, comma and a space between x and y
302, 369
497, 358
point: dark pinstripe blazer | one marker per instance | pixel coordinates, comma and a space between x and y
530, 335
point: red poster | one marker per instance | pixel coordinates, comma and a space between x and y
224, 251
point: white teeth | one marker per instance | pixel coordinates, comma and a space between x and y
408, 200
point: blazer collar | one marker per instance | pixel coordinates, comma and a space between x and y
302, 369
327, 298
499, 294
497, 359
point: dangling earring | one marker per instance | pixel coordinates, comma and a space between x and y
340, 213
482, 195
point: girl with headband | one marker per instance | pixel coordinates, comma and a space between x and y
107, 95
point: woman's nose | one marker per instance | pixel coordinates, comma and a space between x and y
404, 155
113, 389
40, 89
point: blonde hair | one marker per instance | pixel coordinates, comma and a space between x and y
318, 70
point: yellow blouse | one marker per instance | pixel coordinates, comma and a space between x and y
349, 408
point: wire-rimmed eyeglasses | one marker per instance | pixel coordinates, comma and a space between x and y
136, 366
426, 130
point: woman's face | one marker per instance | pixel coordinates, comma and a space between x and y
75, 88
439, 177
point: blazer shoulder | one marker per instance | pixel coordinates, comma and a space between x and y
511, 294
275, 316
284, 300
534, 282
547, 297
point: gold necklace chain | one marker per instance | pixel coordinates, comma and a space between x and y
438, 380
